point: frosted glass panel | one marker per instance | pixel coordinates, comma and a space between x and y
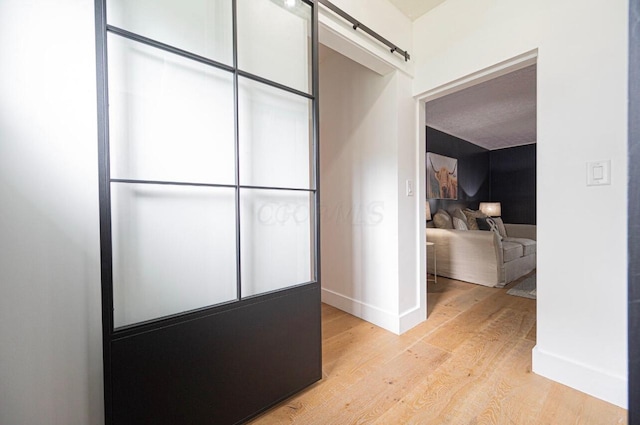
276, 239
275, 137
203, 27
174, 249
170, 118
274, 41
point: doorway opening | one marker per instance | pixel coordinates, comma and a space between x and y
480, 173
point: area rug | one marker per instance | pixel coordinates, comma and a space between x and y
526, 288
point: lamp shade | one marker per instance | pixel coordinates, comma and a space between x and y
427, 211
492, 209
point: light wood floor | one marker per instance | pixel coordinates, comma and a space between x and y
469, 363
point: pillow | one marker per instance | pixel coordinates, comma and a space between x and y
494, 227
483, 224
459, 214
488, 224
471, 218
501, 229
459, 224
442, 220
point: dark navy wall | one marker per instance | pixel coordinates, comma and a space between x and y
513, 183
473, 170
505, 175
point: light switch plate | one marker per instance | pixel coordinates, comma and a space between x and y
409, 187
599, 173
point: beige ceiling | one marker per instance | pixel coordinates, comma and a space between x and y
496, 114
415, 8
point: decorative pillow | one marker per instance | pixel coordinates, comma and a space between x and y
458, 224
488, 224
501, 229
494, 227
471, 218
459, 214
483, 223
472, 224
442, 220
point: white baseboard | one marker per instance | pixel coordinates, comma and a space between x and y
597, 383
393, 322
412, 318
385, 319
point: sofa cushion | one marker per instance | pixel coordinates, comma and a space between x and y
442, 220
528, 245
511, 251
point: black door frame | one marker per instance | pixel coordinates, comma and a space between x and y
249, 341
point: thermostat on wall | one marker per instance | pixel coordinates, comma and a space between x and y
599, 173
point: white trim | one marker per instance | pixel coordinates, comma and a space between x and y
597, 383
379, 317
421, 190
396, 323
494, 71
412, 318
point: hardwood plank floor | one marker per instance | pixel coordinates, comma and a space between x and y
469, 363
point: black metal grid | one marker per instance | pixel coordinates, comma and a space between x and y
109, 333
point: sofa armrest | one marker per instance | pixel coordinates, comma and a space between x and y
469, 255
526, 231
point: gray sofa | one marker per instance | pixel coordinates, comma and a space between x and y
483, 257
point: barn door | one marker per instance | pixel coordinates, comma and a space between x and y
208, 207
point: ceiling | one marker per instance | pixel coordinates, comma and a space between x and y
495, 114
415, 8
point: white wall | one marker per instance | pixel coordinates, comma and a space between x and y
582, 90
50, 332
370, 256
382, 17
358, 191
